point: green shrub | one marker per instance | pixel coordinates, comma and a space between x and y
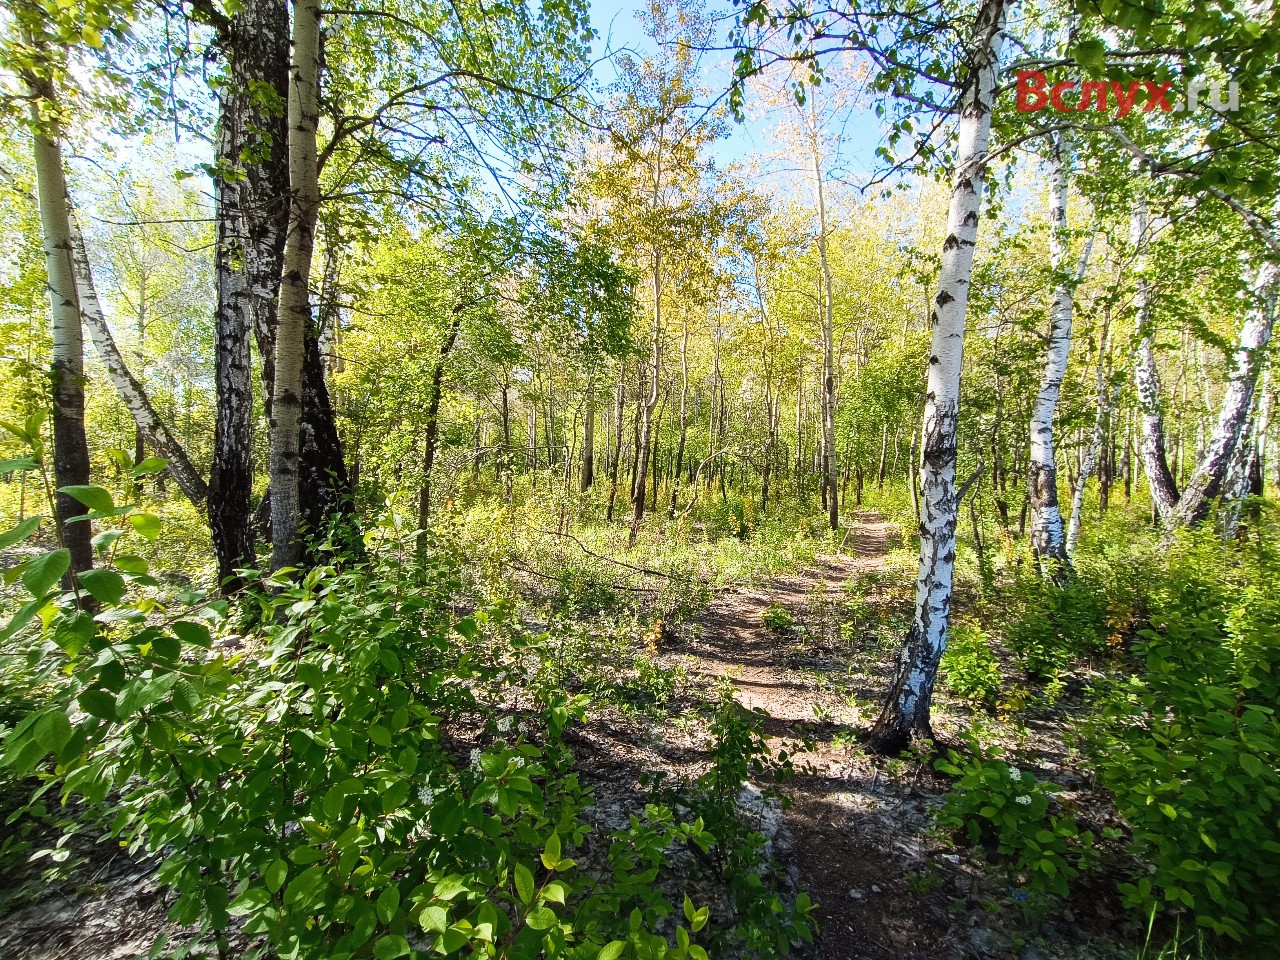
373, 776
1191, 746
970, 669
1007, 812
1052, 625
777, 618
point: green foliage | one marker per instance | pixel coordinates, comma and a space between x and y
970, 669
1055, 624
777, 618
1191, 746
1007, 811
375, 775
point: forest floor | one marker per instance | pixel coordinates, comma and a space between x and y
851, 829
855, 830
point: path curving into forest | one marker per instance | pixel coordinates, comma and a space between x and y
855, 831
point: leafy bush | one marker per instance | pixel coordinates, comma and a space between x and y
1191, 747
1007, 811
766, 924
777, 618
970, 669
1054, 624
374, 775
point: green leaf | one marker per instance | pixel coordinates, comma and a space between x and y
611, 951
1091, 54
105, 585
23, 617
148, 525
453, 939
132, 564
46, 570
541, 918
18, 465
98, 703
551, 855
53, 730
1251, 765
434, 919
275, 874
149, 466
524, 883
388, 904
19, 533
95, 498
192, 634
380, 735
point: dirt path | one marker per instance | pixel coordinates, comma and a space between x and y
856, 833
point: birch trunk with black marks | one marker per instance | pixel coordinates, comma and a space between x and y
645, 439
132, 393
1206, 483
295, 300
619, 415
905, 714
1106, 397
684, 417
1048, 541
252, 214
66, 368
1146, 381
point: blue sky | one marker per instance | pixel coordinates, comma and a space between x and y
754, 139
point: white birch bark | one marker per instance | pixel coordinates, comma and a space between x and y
829, 464
906, 709
1047, 535
1206, 483
1146, 378
295, 302
70, 445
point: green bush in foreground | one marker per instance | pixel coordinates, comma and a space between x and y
1007, 811
372, 776
1191, 746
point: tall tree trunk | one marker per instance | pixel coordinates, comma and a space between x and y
433, 424
252, 213
66, 371
587, 477
1106, 396
684, 416
650, 404
829, 466
147, 420
619, 414
1146, 380
906, 709
295, 300
1047, 539
140, 328
1206, 483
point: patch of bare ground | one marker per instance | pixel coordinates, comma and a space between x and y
857, 833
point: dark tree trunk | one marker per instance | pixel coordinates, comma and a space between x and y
252, 213
433, 425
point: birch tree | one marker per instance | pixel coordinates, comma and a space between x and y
295, 297
1047, 536
66, 369
906, 709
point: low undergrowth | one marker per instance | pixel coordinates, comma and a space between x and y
372, 774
